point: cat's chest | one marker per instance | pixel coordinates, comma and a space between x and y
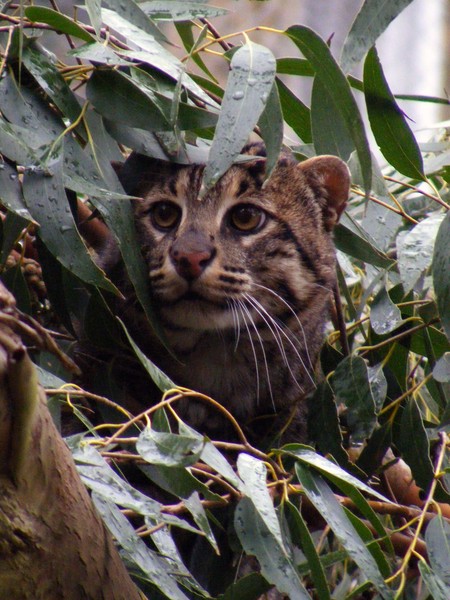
215, 365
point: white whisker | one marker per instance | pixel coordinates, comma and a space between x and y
268, 319
263, 351
240, 305
311, 366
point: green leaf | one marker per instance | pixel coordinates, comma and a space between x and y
323, 499
415, 249
295, 66
249, 84
329, 130
257, 539
392, 133
271, 128
58, 21
154, 566
198, 513
352, 388
437, 588
163, 382
247, 588
441, 270
52, 83
415, 446
131, 14
168, 449
372, 19
350, 242
385, 316
441, 371
180, 11
94, 11
299, 531
296, 114
11, 192
338, 88
437, 537
306, 455
46, 200
323, 423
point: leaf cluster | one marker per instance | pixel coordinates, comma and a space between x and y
314, 519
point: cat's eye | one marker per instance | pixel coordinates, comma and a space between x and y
247, 218
165, 215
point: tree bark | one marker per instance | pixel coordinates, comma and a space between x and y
53, 544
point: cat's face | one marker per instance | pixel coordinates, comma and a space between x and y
244, 251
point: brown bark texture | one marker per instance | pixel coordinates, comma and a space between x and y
53, 544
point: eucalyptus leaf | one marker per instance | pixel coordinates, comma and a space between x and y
168, 449
392, 133
441, 371
415, 446
352, 388
59, 21
373, 18
385, 316
180, 11
338, 88
441, 269
246, 94
438, 589
257, 539
323, 499
437, 537
415, 249
271, 128
153, 565
296, 114
195, 507
46, 200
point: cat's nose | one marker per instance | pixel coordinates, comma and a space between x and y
191, 254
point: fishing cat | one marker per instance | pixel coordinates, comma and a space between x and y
241, 281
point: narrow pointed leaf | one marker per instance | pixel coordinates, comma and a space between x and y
333, 79
249, 84
415, 250
392, 133
46, 200
258, 540
441, 270
323, 499
180, 11
271, 128
58, 21
437, 537
372, 19
385, 316
296, 114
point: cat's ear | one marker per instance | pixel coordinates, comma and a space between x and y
332, 175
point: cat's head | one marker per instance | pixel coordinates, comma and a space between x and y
247, 247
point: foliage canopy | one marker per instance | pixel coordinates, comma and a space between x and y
117, 84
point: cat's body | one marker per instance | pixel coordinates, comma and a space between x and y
241, 281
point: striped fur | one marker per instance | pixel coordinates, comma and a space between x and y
247, 331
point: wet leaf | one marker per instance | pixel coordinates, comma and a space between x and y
338, 88
46, 200
385, 316
246, 94
353, 243
271, 128
195, 507
155, 567
415, 446
441, 270
441, 371
257, 539
168, 449
131, 12
437, 588
325, 502
415, 250
392, 133
372, 19
180, 11
59, 21
352, 388
437, 537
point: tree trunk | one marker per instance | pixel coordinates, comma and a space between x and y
53, 544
